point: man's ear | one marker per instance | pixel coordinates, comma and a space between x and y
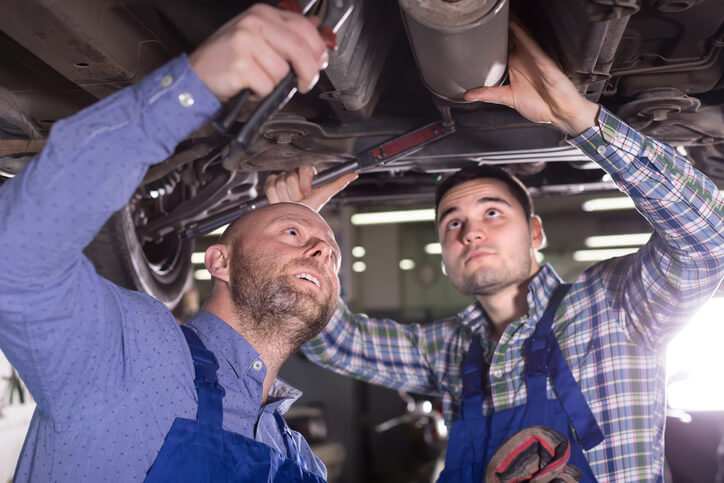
537, 235
216, 259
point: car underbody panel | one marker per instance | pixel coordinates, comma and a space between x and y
656, 63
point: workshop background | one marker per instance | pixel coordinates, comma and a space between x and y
392, 268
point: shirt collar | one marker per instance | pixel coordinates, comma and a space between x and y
540, 290
227, 344
282, 395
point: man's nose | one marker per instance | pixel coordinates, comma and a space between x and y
319, 249
473, 232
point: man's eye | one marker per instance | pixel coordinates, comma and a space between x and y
453, 225
493, 213
292, 231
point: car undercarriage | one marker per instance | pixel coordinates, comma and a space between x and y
655, 63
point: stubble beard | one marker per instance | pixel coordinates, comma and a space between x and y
485, 282
274, 309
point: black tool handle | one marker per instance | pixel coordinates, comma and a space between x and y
232, 214
269, 106
231, 111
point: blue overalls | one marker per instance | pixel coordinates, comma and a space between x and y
474, 437
201, 451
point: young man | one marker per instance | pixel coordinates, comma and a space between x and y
587, 359
123, 393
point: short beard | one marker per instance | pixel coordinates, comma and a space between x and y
276, 312
485, 283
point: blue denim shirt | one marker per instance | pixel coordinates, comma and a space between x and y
109, 368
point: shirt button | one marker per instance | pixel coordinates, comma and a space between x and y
257, 365
498, 373
601, 150
186, 99
166, 81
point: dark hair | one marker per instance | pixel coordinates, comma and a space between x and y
486, 171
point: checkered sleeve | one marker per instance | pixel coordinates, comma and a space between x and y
379, 351
681, 266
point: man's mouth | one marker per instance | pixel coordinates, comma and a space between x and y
477, 254
310, 277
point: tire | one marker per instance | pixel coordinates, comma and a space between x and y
161, 270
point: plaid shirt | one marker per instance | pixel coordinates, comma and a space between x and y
612, 326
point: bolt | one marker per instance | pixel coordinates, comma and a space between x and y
660, 114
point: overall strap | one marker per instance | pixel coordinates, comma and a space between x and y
472, 404
293, 452
207, 384
544, 358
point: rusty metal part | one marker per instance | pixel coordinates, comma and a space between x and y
656, 105
10, 147
101, 47
446, 40
355, 67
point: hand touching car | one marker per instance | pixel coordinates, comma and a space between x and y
255, 49
538, 89
296, 186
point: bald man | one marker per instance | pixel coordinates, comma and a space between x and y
123, 392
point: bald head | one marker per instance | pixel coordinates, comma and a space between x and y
275, 274
254, 219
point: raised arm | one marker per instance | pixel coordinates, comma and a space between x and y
658, 288
66, 330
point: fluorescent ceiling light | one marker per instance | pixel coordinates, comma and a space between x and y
359, 266
433, 248
358, 251
197, 258
623, 240
604, 254
694, 360
202, 274
385, 217
407, 264
606, 204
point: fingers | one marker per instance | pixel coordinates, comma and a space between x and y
525, 45
270, 189
296, 39
523, 38
296, 186
495, 95
306, 174
283, 187
273, 65
322, 194
255, 49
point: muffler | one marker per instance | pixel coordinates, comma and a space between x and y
458, 44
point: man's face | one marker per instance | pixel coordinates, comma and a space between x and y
487, 240
284, 272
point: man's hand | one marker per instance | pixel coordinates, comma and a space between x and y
254, 50
297, 186
538, 89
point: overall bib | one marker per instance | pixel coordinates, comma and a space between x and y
474, 437
201, 451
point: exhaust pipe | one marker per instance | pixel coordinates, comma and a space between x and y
458, 44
